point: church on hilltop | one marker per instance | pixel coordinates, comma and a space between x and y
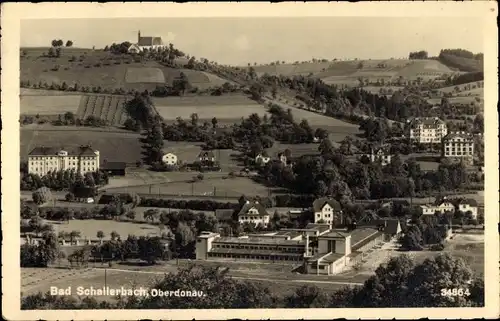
146, 43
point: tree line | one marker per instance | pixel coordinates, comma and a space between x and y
61, 180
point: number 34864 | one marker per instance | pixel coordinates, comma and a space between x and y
455, 292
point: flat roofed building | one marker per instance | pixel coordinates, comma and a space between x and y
82, 159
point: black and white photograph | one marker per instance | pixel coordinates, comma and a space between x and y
287, 163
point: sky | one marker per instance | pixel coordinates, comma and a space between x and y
238, 41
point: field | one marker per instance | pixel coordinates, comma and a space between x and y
95, 68
107, 107
348, 72
180, 184
224, 108
49, 105
89, 228
114, 146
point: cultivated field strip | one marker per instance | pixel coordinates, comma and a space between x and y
49, 105
106, 107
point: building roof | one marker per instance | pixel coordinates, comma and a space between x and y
83, 150
254, 252
258, 240
150, 41
224, 214
319, 203
391, 225
207, 153
385, 149
318, 227
114, 165
250, 204
337, 234
429, 121
462, 135
368, 238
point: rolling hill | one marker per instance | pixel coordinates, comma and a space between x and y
97, 68
348, 72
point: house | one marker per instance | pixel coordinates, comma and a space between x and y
427, 130
327, 210
82, 159
146, 43
380, 154
390, 226
206, 156
169, 159
224, 215
253, 212
444, 205
459, 146
467, 205
261, 159
115, 168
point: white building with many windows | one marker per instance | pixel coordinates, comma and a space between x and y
82, 159
327, 211
427, 130
459, 146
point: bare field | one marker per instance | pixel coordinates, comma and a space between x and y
113, 146
49, 105
144, 75
229, 100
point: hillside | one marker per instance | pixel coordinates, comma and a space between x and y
349, 72
462, 63
97, 68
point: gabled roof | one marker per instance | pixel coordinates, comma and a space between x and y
208, 154
72, 151
390, 225
150, 41
462, 135
260, 209
319, 203
428, 121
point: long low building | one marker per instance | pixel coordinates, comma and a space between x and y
320, 249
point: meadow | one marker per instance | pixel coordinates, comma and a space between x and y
98, 68
114, 146
49, 105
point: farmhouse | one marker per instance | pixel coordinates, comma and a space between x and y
262, 160
169, 159
441, 206
459, 146
466, 206
146, 43
206, 157
427, 130
327, 211
380, 154
82, 159
115, 168
253, 212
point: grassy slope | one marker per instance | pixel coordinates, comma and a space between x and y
83, 70
347, 72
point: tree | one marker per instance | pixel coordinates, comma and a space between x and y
307, 296
41, 195
214, 122
114, 235
100, 235
73, 235
69, 43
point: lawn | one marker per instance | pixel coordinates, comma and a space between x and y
113, 146
218, 186
49, 105
89, 228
